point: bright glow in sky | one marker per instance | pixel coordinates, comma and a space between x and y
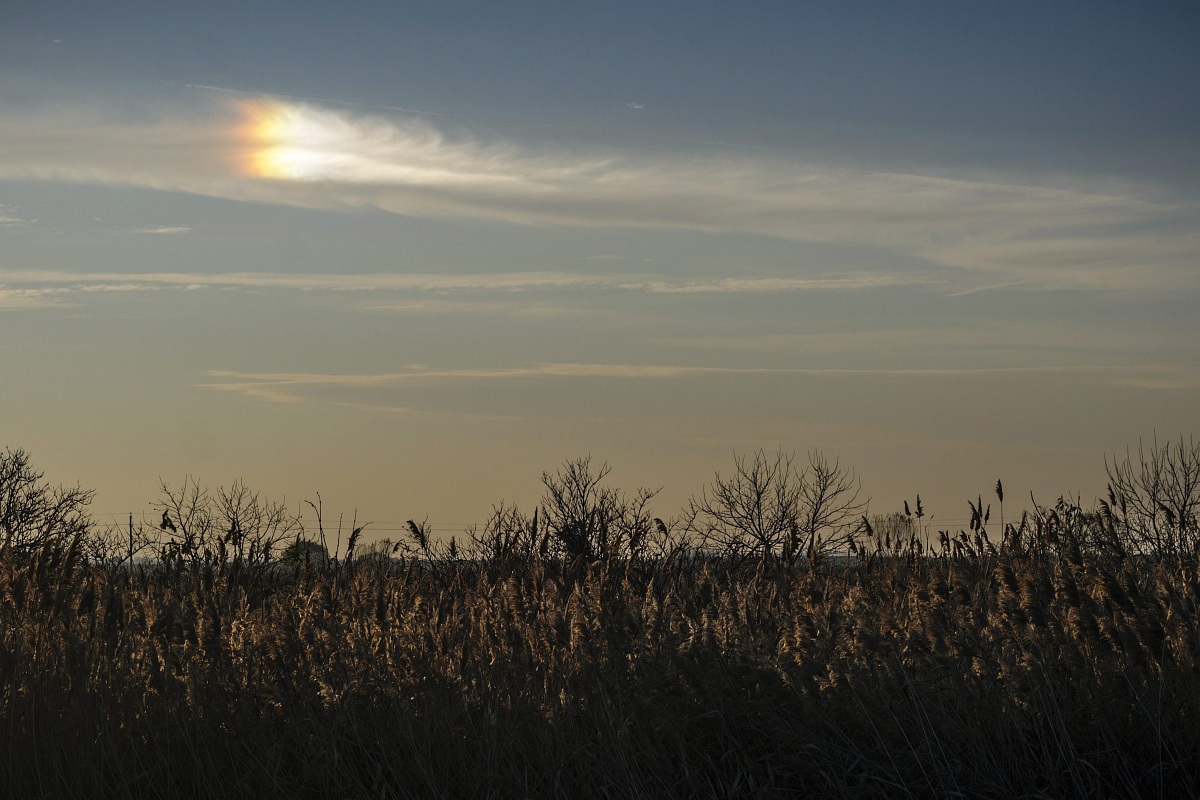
283, 142
411, 258
292, 141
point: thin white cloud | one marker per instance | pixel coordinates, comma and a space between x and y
42, 295
745, 285
294, 153
293, 387
993, 287
568, 370
297, 387
425, 282
19, 299
521, 308
163, 230
507, 281
1159, 384
10, 218
1080, 344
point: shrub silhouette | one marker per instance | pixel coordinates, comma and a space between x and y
767, 509
32, 512
304, 552
1154, 498
1046, 663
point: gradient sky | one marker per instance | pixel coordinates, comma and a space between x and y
410, 255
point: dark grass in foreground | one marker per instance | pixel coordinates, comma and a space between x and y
592, 650
1036, 672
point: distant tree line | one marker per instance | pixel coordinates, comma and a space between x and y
773, 639
768, 508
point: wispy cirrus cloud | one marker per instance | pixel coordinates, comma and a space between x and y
519, 308
10, 218
1167, 383
427, 282
17, 299
296, 387
1000, 342
163, 230
862, 280
278, 151
505, 281
299, 387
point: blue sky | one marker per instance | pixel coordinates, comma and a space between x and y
410, 255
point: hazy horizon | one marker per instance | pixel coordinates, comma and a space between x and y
411, 258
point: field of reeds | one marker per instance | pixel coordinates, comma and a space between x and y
590, 649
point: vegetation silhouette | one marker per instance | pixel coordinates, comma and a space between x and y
590, 649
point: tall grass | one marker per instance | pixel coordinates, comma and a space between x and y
1021, 673
1051, 663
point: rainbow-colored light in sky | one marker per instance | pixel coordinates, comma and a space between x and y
283, 140
288, 141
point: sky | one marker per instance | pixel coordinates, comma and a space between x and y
406, 257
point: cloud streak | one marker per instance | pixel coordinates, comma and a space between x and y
9, 218
862, 280
293, 153
163, 230
17, 299
425, 282
299, 387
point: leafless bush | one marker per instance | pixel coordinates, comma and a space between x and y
34, 513
769, 509
234, 526
1154, 498
509, 538
117, 544
592, 522
893, 535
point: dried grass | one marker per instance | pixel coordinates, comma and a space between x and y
1038, 668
